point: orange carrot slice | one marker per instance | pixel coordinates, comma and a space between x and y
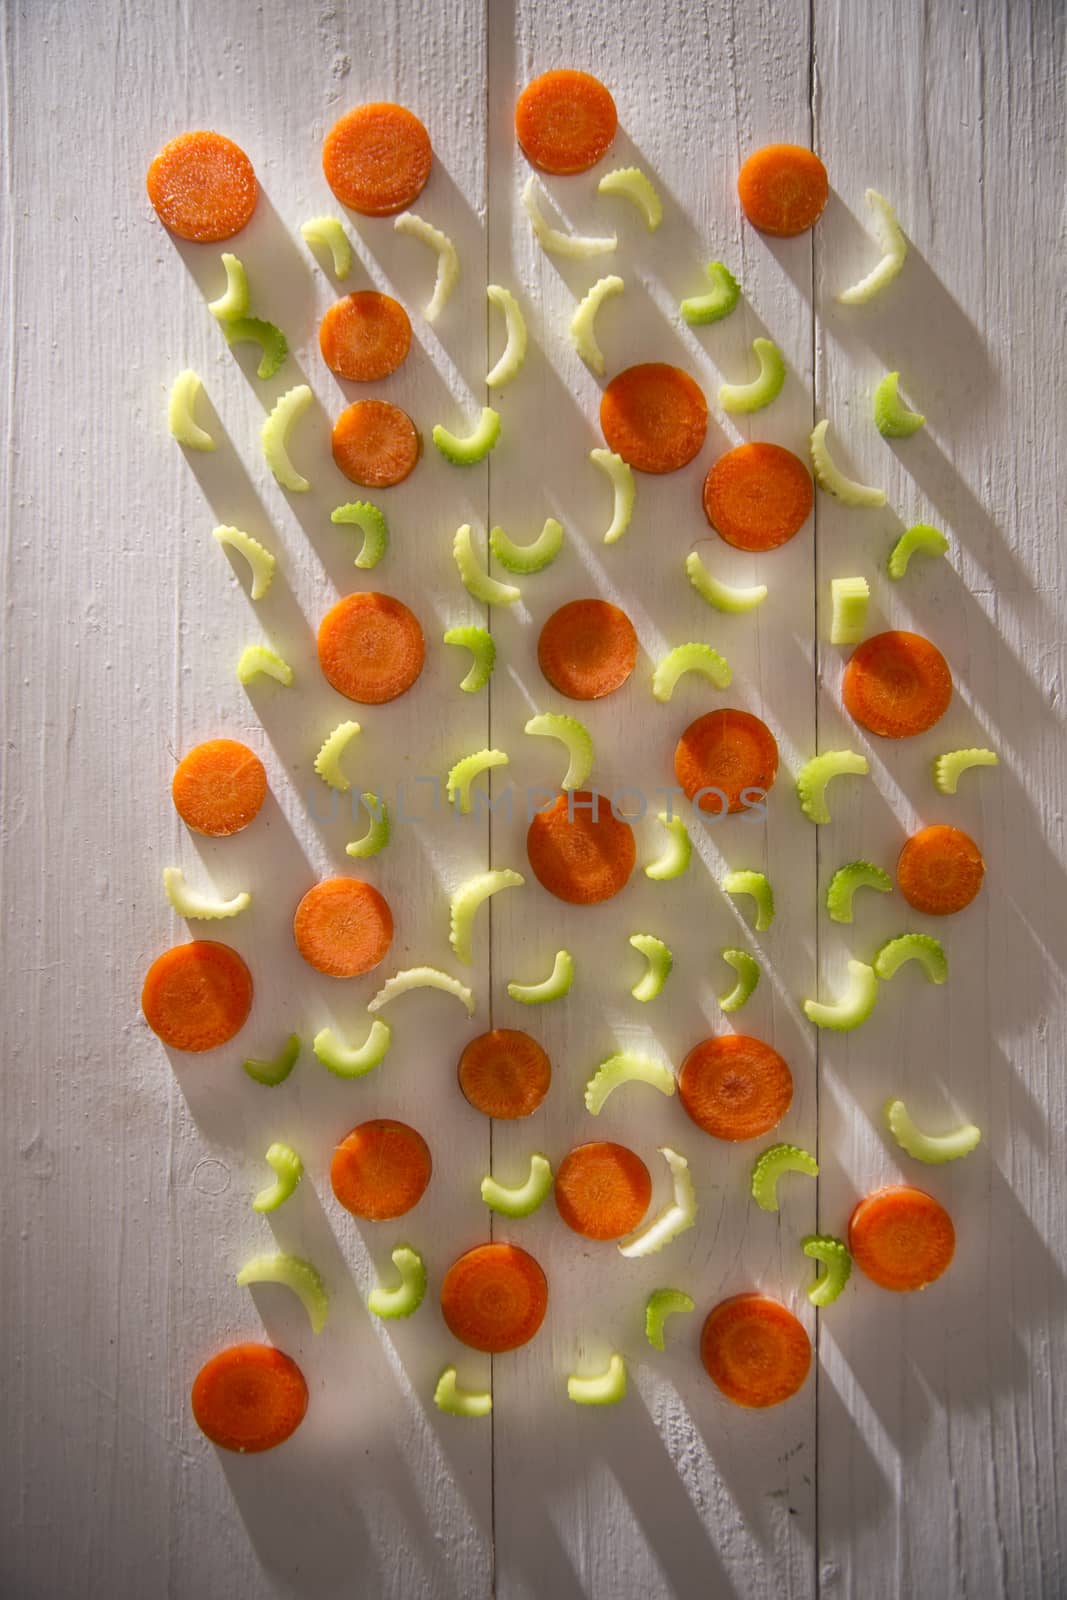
197, 995
758, 496
375, 444
729, 753
602, 1190
654, 416
218, 787
565, 121
343, 927
587, 649
735, 1087
377, 158
494, 1297
755, 1350
579, 850
783, 189
940, 870
381, 1169
371, 648
249, 1397
896, 684
202, 187
365, 336
901, 1237
504, 1073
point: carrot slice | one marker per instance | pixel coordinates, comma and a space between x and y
377, 158
197, 995
654, 416
371, 647
218, 787
249, 1397
735, 1087
896, 684
504, 1073
940, 870
565, 121
343, 927
758, 496
729, 753
602, 1190
380, 1170
783, 189
375, 444
901, 1237
365, 336
579, 850
494, 1297
587, 649
202, 186
755, 1350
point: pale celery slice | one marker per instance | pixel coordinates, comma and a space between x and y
235, 301
524, 1199
259, 558
575, 739
920, 537
606, 1389
256, 659
723, 596
773, 1164
466, 901
447, 259
675, 1218
625, 1067
830, 477
833, 1254
378, 828
180, 420
407, 1297
476, 580
288, 1171
463, 774
949, 768
699, 658
815, 774
294, 1273
660, 962
894, 251
748, 976
846, 880
634, 185
757, 886
457, 1402
765, 387
849, 597
855, 1006
583, 322
477, 444
676, 854
327, 233
479, 641
921, 947
892, 417
527, 558
576, 245
933, 1148
328, 760
275, 437
421, 978
194, 903
554, 987
272, 1072
345, 1060
723, 296
270, 338
371, 524
514, 352
661, 1304
621, 478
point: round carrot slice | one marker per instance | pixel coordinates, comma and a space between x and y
249, 1397
202, 186
758, 496
896, 684
901, 1237
197, 995
343, 927
735, 1087
375, 444
587, 649
602, 1190
504, 1073
783, 189
579, 850
371, 648
494, 1297
940, 870
377, 158
654, 416
729, 754
365, 336
755, 1350
218, 787
380, 1170
565, 121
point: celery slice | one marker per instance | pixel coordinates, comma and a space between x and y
765, 387
371, 524
327, 233
846, 880
920, 537
463, 774
447, 259
748, 976
294, 1273
197, 905
891, 416
554, 987
757, 886
856, 1005
275, 437
378, 829
661, 1304
674, 1219
659, 960
626, 1067
180, 420
270, 338
621, 478
676, 854
815, 774
719, 302
476, 580
235, 301
466, 902
328, 760
775, 1161
576, 245
894, 251
259, 558
256, 659
833, 1254
476, 446
421, 978
722, 595
830, 477
933, 1148
523, 1200
949, 768
606, 1389
849, 621
633, 185
700, 658
272, 1072
479, 641
583, 323
920, 947
288, 1170
347, 1061
575, 739
527, 558
457, 1402
514, 352
407, 1297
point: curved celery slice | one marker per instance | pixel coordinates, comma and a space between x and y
328, 760
271, 1073
343, 1060
849, 620
466, 901
661, 1304
767, 386
757, 886
660, 962
748, 976
846, 880
554, 987
421, 978
689, 658
933, 1148
270, 338
275, 437
527, 558
235, 300
371, 524
256, 658
525, 1199
815, 774
476, 580
949, 768
632, 184
575, 739
479, 641
921, 537
447, 259
294, 1273
514, 352
259, 558
830, 477
920, 947
576, 245
719, 302
288, 1169
457, 1402
622, 482
327, 233
722, 595
833, 1254
464, 773
180, 421
476, 446
854, 1008
407, 1297
583, 322
674, 1219
625, 1067
202, 907
775, 1161
378, 828
677, 852
892, 417
894, 250
606, 1389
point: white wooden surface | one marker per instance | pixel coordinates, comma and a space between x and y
921, 1458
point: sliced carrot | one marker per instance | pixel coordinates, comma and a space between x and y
565, 121
365, 336
602, 1189
381, 1169
579, 850
729, 753
494, 1297
371, 647
783, 189
202, 186
343, 927
249, 1397
940, 870
587, 649
504, 1073
901, 1237
375, 444
654, 416
377, 158
218, 787
758, 496
896, 684
735, 1087
755, 1350
197, 995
